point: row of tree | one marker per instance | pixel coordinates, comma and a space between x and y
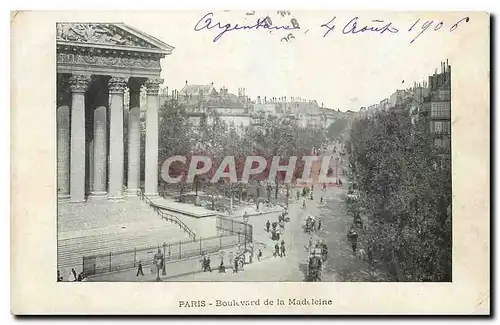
215, 138
404, 184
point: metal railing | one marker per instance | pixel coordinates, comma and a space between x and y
122, 260
235, 227
166, 216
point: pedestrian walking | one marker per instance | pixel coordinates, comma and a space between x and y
321, 200
268, 224
282, 248
370, 253
139, 269
259, 255
204, 263
354, 245
319, 224
304, 205
72, 275
276, 250
208, 267
241, 262
235, 268
222, 268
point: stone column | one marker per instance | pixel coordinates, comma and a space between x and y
151, 165
63, 139
100, 153
90, 151
134, 142
116, 88
78, 84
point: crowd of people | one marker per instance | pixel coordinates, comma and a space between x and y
73, 276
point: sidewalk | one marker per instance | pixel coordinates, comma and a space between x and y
291, 267
173, 269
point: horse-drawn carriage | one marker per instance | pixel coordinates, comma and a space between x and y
310, 224
315, 265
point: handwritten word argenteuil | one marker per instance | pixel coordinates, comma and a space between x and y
418, 27
207, 22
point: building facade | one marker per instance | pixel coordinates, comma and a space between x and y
96, 64
437, 107
200, 100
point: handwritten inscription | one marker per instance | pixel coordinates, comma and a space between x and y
206, 22
437, 26
380, 27
283, 13
287, 38
354, 26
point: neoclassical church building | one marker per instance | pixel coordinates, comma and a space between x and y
97, 64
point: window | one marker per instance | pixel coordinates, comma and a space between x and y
447, 127
438, 127
440, 109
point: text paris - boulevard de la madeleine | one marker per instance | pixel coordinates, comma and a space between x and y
276, 302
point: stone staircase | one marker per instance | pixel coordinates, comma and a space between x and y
102, 227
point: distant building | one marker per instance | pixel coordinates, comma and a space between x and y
384, 104
203, 99
240, 111
362, 113
437, 107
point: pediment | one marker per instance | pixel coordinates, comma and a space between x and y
112, 36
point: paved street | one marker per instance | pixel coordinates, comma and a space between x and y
342, 264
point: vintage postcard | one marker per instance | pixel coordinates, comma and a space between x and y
250, 162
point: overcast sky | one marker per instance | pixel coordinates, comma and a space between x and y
343, 71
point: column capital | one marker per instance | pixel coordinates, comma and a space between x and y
153, 85
79, 83
117, 84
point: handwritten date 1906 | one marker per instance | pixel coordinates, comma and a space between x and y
434, 25
380, 27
